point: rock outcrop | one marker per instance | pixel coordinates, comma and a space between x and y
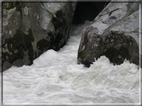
29, 29
113, 33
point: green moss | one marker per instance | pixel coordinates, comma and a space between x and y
11, 5
20, 43
128, 14
8, 5
81, 57
81, 54
43, 44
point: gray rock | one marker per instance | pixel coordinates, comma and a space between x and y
114, 35
29, 29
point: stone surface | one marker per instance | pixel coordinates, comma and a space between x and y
113, 33
29, 29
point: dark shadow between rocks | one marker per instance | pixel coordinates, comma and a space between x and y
87, 11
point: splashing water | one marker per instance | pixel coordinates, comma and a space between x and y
56, 78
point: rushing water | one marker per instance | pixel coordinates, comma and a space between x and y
56, 78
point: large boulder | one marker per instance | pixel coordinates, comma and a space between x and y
29, 29
113, 33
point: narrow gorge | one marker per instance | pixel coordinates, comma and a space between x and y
71, 53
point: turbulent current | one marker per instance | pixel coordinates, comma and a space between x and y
56, 78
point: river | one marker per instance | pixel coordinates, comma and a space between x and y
56, 78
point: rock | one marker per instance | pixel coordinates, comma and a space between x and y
114, 33
29, 29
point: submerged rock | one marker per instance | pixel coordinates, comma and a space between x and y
114, 33
29, 29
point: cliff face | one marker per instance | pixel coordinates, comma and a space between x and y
113, 33
29, 29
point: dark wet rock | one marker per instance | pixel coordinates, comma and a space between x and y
117, 47
29, 29
114, 35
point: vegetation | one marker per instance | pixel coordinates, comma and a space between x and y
81, 54
17, 45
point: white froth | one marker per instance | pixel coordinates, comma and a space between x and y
56, 78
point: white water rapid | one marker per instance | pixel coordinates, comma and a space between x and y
56, 78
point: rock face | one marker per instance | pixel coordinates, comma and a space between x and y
113, 33
29, 29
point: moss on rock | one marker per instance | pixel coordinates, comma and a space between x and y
11, 5
17, 45
82, 57
8, 5
81, 54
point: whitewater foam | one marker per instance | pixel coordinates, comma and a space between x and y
56, 78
